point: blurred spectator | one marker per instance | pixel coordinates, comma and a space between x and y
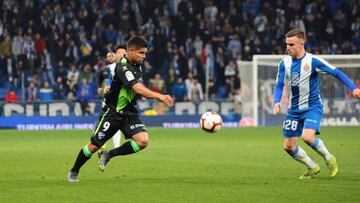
5, 47
72, 53
230, 69
260, 22
17, 44
110, 34
32, 92
159, 108
11, 96
297, 22
47, 67
61, 89
12, 73
1, 28
170, 81
86, 73
29, 51
196, 92
188, 81
46, 92
157, 84
40, 44
234, 46
188, 36
209, 59
72, 81
85, 50
179, 91
210, 12
84, 95
61, 70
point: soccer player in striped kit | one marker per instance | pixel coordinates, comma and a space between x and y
301, 69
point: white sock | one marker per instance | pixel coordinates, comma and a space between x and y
116, 139
300, 155
320, 148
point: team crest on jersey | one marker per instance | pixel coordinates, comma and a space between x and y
295, 78
129, 76
306, 67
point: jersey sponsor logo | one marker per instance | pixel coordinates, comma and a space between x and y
311, 120
101, 135
306, 67
295, 78
137, 126
129, 76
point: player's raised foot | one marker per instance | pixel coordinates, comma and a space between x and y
310, 173
332, 166
104, 158
73, 177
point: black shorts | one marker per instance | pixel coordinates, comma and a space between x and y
111, 121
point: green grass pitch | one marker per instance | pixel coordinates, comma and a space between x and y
180, 165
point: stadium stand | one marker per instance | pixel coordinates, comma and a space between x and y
41, 40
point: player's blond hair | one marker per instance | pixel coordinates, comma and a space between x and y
299, 33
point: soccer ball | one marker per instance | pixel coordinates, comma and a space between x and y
211, 122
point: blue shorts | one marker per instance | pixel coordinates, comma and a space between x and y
295, 122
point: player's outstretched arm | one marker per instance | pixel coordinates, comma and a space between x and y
140, 89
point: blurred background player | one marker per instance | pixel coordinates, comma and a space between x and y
120, 112
303, 118
104, 82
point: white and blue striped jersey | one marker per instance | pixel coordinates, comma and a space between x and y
303, 80
111, 67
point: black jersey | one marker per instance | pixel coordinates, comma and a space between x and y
121, 96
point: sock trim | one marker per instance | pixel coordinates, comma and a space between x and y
86, 151
295, 152
315, 144
134, 146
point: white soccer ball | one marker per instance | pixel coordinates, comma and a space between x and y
211, 122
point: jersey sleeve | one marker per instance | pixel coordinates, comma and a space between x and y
280, 81
125, 73
323, 66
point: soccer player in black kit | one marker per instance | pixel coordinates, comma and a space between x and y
120, 111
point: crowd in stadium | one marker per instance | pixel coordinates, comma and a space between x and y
54, 49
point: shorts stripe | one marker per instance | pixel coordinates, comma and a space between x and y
294, 153
101, 120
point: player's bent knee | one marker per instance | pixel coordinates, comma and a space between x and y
92, 148
308, 140
142, 140
289, 148
142, 143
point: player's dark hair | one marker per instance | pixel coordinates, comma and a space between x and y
137, 42
121, 46
296, 32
